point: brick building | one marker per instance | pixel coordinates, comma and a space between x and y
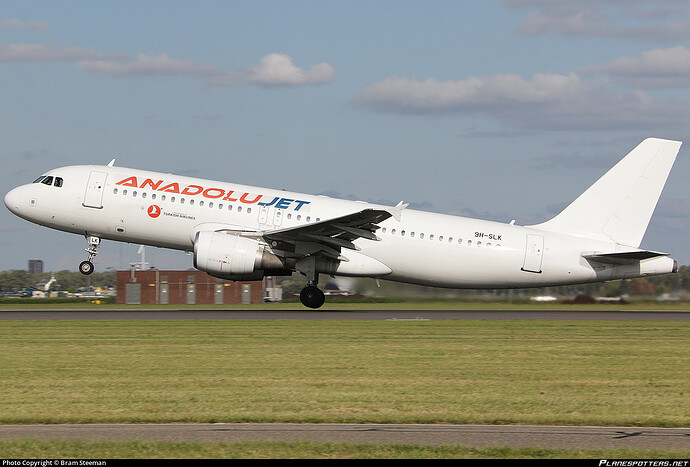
191, 287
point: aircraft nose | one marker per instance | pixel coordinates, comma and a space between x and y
12, 200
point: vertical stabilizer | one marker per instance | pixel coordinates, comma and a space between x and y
620, 204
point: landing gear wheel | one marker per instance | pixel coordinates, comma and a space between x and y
312, 297
86, 267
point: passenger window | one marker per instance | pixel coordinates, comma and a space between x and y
58, 182
47, 181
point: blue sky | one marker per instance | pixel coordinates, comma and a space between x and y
493, 109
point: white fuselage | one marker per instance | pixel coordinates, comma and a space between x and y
165, 210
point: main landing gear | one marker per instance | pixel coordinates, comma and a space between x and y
311, 296
86, 267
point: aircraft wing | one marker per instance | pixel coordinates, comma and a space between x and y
326, 237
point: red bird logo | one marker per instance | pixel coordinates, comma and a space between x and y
154, 211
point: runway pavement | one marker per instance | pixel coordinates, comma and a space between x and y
391, 315
430, 435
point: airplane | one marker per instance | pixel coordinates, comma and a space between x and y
239, 232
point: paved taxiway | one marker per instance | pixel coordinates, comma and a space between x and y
470, 435
430, 435
392, 315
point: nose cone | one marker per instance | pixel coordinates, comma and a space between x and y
12, 200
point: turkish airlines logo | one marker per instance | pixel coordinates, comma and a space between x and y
154, 211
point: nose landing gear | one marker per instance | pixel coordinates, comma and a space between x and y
86, 267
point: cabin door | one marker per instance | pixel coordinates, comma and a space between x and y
534, 253
93, 198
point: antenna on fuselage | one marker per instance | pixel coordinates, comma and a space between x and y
111, 163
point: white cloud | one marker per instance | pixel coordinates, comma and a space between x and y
15, 23
273, 69
632, 19
658, 68
276, 70
546, 101
147, 65
406, 95
41, 52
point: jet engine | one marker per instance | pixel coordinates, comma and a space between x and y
230, 256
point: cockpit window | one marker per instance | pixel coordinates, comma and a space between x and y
48, 180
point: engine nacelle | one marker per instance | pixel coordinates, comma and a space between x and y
233, 257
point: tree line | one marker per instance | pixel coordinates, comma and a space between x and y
19, 280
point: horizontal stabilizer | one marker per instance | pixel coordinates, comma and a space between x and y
623, 257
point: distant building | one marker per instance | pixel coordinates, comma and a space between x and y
191, 287
35, 266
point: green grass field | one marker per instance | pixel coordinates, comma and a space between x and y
615, 373
34, 449
537, 372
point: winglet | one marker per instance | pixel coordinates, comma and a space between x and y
396, 212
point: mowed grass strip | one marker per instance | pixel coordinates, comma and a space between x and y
484, 372
39, 449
